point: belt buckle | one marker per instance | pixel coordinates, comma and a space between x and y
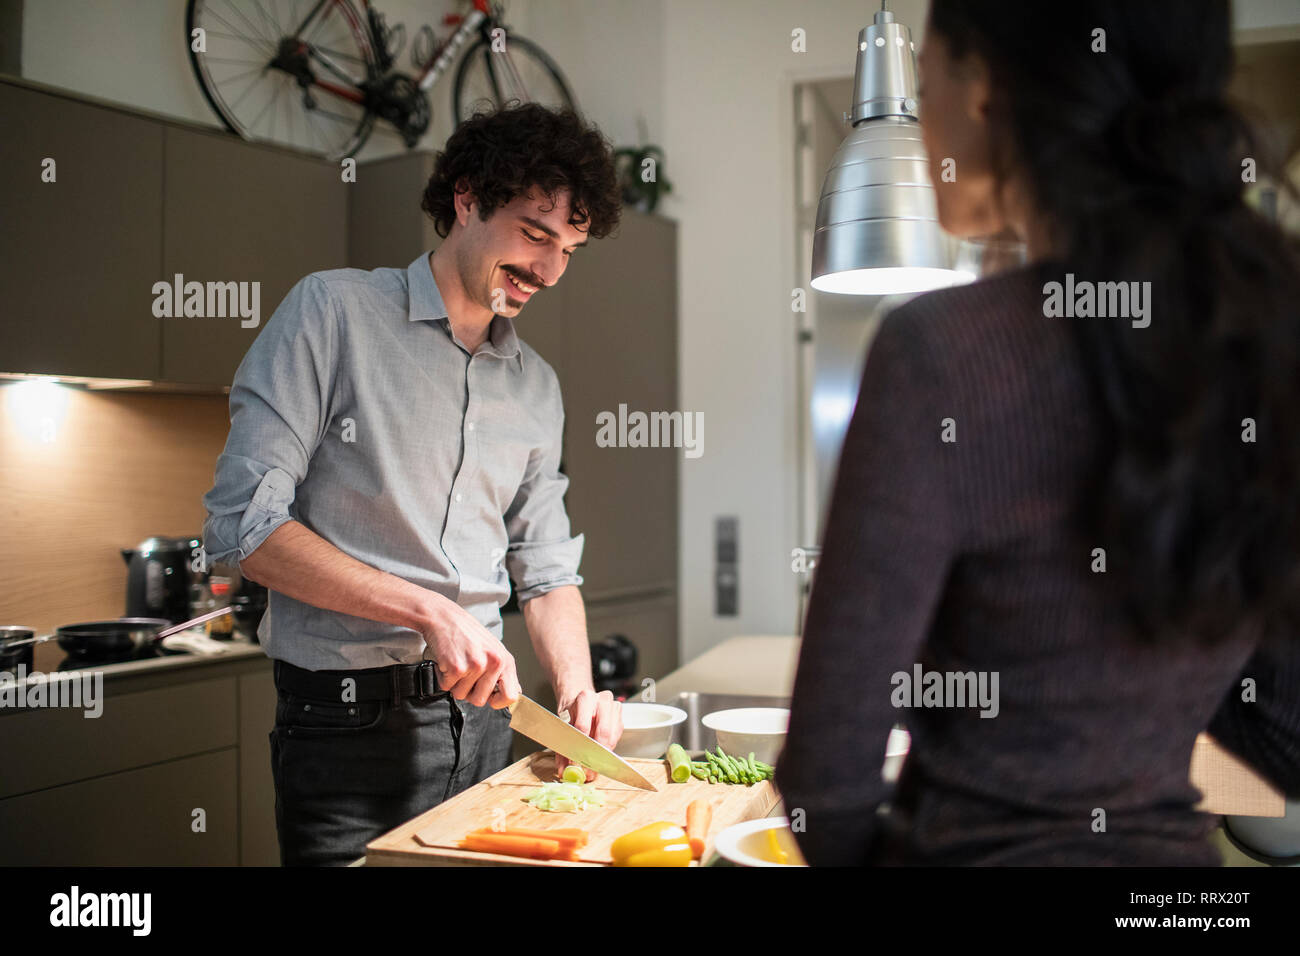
426, 680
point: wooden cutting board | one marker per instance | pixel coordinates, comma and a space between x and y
431, 838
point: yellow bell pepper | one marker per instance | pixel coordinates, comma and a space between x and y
675, 854
657, 844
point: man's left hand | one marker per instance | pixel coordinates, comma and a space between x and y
599, 716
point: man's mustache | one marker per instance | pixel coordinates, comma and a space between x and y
527, 278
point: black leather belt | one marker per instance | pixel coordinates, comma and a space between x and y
377, 683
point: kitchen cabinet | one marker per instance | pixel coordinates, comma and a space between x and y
258, 843
386, 226
138, 200
174, 736
41, 748
79, 255
618, 312
243, 213
142, 817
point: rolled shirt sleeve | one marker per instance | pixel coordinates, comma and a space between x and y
279, 411
542, 554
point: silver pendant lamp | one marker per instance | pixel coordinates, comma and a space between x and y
877, 227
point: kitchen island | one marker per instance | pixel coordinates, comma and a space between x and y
764, 666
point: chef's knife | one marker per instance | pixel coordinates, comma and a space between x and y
537, 723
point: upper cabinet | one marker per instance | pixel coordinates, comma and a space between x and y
79, 253
239, 213
619, 358
136, 201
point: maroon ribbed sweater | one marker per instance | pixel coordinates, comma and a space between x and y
964, 556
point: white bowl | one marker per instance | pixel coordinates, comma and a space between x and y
745, 844
648, 729
745, 729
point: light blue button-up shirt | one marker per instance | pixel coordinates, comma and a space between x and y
358, 413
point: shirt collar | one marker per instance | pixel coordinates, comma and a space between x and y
425, 305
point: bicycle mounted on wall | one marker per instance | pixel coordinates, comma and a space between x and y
317, 75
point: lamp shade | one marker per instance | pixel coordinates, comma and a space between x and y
877, 230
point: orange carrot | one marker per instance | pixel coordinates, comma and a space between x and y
699, 814
512, 845
569, 838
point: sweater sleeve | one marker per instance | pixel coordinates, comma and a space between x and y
1265, 731
890, 538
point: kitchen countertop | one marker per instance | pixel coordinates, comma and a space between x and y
765, 665
759, 665
50, 656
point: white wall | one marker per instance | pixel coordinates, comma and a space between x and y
128, 51
612, 52
729, 144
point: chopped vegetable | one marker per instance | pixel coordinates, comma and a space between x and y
657, 844
573, 774
699, 814
564, 797
679, 765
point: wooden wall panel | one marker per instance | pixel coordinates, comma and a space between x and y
121, 467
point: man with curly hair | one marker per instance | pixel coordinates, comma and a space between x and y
392, 465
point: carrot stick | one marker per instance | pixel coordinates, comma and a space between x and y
699, 814
512, 845
569, 838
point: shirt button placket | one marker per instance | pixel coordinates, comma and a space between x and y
469, 458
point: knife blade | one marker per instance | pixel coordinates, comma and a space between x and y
537, 723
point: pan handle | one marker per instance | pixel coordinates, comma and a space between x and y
186, 625
27, 640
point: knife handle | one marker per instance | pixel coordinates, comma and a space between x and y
500, 687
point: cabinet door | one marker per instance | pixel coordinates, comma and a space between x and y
621, 349
386, 226
649, 624
142, 817
43, 747
258, 844
243, 213
79, 255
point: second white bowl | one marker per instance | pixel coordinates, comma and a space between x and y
744, 729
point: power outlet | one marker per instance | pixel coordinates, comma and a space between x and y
726, 567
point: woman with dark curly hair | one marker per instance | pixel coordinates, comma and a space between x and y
393, 463
1093, 513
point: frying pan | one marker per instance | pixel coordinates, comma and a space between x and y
125, 636
22, 656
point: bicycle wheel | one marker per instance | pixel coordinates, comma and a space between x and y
286, 71
523, 72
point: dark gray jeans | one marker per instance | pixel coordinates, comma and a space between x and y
347, 773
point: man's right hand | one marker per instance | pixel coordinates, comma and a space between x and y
471, 661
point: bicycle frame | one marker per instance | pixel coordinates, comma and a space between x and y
430, 75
